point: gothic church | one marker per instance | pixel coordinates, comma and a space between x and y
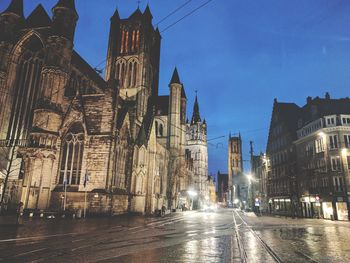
66, 131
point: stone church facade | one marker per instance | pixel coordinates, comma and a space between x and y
71, 132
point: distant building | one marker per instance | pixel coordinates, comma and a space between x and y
260, 167
237, 182
196, 139
212, 189
222, 187
312, 142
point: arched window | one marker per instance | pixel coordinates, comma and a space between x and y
27, 88
122, 42
134, 82
72, 155
130, 69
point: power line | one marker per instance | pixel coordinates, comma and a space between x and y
187, 15
173, 12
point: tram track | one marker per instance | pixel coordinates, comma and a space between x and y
264, 245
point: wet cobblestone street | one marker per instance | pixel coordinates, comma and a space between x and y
223, 236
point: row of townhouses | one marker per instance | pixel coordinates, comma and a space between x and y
305, 171
67, 133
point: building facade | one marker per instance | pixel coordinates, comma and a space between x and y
282, 185
196, 136
237, 182
222, 187
319, 157
67, 131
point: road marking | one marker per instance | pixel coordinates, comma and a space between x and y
29, 252
36, 237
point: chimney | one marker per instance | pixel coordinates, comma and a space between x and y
327, 96
308, 100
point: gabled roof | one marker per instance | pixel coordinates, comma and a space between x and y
38, 18
85, 68
136, 14
15, 7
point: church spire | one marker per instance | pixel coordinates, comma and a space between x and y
175, 79
196, 116
115, 15
147, 13
15, 7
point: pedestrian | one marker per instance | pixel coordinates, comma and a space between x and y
163, 210
19, 212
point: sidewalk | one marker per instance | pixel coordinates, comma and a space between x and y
8, 220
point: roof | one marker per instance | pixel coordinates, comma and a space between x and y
15, 7
195, 116
319, 107
85, 68
162, 105
146, 127
136, 14
175, 78
147, 13
38, 18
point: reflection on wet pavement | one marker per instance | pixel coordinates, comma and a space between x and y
224, 236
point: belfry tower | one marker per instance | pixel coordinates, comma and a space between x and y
133, 59
197, 143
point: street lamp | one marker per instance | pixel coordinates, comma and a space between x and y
192, 194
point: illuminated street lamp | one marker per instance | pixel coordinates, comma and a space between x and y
192, 194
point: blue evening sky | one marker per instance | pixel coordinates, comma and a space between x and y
238, 54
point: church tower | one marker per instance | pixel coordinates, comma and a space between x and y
133, 59
196, 133
235, 164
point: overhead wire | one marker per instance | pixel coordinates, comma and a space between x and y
187, 15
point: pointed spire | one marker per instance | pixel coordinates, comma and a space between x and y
115, 16
147, 13
68, 4
196, 116
175, 78
15, 7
